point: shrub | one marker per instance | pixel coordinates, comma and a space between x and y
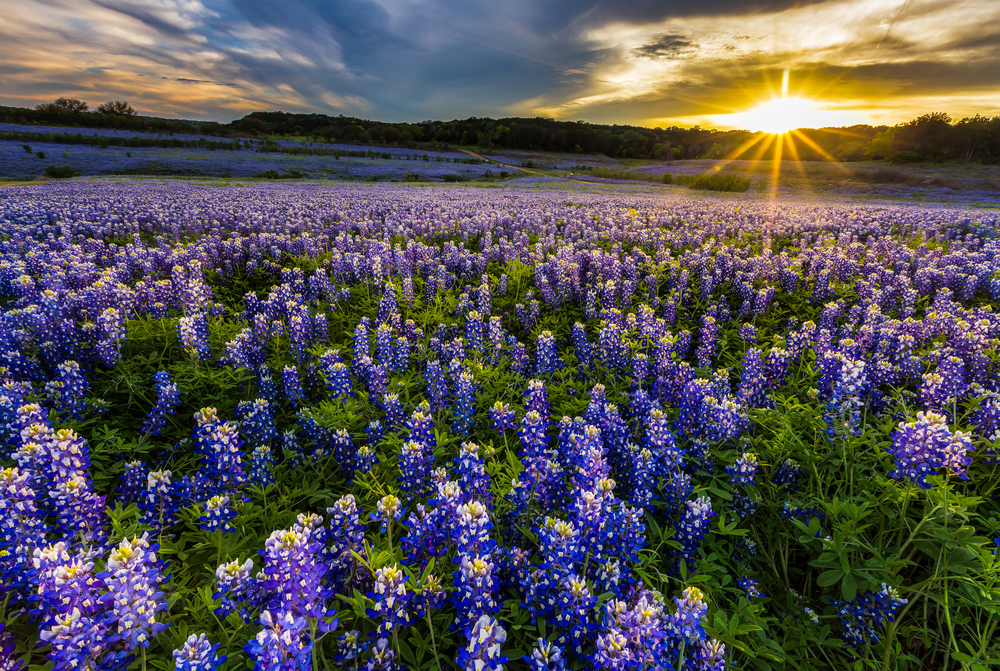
904, 157
719, 182
60, 171
40, 154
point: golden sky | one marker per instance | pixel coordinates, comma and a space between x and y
653, 63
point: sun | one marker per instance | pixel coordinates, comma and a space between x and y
781, 115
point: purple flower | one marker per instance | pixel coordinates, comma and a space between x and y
865, 615
744, 471
167, 398
218, 515
133, 581
483, 652
391, 600
545, 656
282, 645
503, 418
198, 655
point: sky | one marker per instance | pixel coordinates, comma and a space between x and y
643, 62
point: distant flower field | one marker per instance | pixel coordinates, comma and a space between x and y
296, 426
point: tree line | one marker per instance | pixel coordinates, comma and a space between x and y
930, 137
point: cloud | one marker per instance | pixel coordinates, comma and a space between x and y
646, 61
666, 46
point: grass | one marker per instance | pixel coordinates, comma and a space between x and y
21, 182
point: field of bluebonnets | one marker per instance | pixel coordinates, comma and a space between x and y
27, 151
289, 426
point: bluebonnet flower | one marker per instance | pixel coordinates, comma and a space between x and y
475, 587
22, 528
193, 333
236, 589
7, 648
661, 443
750, 585
612, 346
437, 386
753, 381
686, 621
218, 515
294, 572
502, 417
69, 389
282, 645
266, 385
693, 526
744, 471
111, 332
198, 654
748, 333
640, 369
573, 609
464, 408
343, 450
708, 335
545, 656
787, 474
133, 482
924, 446
219, 444
161, 505
483, 652
258, 423
389, 509
537, 400
67, 597
864, 616
391, 607
262, 467
710, 655
421, 426
350, 646
611, 651
472, 532
471, 471
383, 656
945, 385
395, 413
415, 462
474, 331
546, 358
133, 581
581, 346
167, 398
293, 385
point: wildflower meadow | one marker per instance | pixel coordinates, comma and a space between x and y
290, 426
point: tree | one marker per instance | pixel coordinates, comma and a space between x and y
116, 108
252, 124
74, 105
635, 144
881, 145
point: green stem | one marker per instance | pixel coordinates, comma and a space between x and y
434, 647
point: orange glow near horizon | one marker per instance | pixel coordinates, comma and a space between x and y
785, 113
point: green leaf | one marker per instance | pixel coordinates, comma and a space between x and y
828, 578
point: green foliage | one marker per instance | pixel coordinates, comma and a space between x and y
719, 182
60, 171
